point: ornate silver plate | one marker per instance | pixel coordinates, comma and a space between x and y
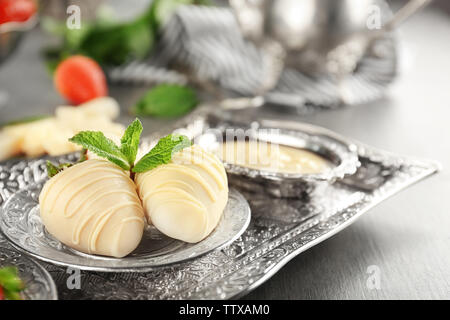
280, 229
20, 222
39, 284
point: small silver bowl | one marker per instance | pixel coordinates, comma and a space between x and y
39, 284
11, 34
341, 154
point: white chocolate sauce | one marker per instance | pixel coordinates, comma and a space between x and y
273, 157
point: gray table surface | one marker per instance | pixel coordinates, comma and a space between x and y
406, 237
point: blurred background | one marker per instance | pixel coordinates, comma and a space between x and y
312, 59
280, 58
322, 55
340, 64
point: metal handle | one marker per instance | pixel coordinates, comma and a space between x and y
405, 12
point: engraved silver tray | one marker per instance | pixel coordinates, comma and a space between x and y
280, 229
39, 284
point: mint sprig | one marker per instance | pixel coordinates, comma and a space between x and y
125, 155
162, 152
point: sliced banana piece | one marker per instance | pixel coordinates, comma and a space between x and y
33, 135
10, 146
51, 135
99, 107
58, 143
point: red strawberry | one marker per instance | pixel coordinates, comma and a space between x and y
80, 79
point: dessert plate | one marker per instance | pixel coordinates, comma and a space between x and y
39, 284
20, 222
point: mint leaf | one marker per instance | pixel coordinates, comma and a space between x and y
96, 142
130, 141
9, 279
11, 283
167, 101
52, 170
162, 152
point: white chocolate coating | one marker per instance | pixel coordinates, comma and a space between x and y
93, 207
185, 199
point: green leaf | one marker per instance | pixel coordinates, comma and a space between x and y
12, 295
107, 42
52, 170
130, 141
162, 152
11, 283
117, 44
110, 42
167, 101
96, 142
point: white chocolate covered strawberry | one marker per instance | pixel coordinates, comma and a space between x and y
185, 198
93, 207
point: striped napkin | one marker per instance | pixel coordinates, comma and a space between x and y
208, 42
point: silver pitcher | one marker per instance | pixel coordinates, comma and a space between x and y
312, 32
